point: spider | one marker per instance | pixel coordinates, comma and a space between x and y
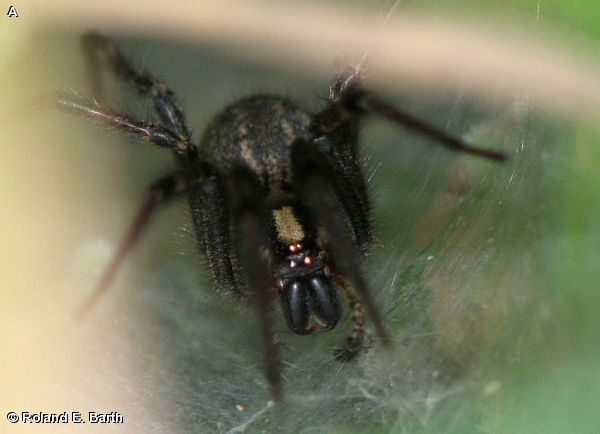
277, 194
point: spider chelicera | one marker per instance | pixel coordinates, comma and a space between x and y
277, 195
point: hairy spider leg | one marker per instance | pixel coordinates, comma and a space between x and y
314, 181
249, 218
174, 135
349, 96
211, 214
198, 178
207, 203
89, 42
328, 165
100, 49
353, 345
376, 105
160, 192
109, 273
153, 133
335, 133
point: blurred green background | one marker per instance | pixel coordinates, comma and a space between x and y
486, 273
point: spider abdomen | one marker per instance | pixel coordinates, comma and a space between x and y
256, 133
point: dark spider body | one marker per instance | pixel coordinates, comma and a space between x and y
277, 195
256, 135
257, 132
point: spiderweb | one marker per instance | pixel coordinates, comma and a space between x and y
451, 263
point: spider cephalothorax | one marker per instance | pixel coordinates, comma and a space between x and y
277, 194
308, 294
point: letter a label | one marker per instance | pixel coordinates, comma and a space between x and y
12, 12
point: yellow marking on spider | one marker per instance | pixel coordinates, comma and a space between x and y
289, 230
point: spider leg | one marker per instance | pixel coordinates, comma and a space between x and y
347, 100
160, 191
211, 220
313, 180
93, 67
208, 205
257, 272
354, 342
100, 49
337, 141
363, 100
157, 134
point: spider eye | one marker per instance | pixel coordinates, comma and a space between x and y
295, 247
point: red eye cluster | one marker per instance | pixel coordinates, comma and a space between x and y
298, 256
